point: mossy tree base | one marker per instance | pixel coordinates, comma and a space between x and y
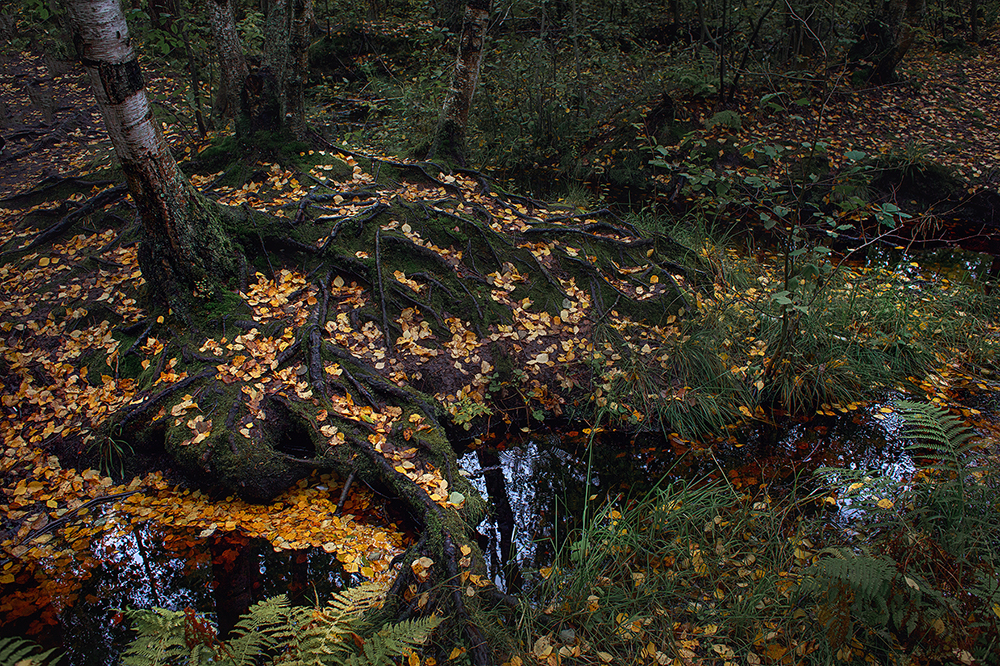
373, 324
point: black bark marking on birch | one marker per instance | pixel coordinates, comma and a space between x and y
121, 81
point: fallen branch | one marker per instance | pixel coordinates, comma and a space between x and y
381, 290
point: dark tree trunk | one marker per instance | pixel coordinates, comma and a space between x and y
195, 80
449, 140
286, 61
298, 71
884, 42
232, 64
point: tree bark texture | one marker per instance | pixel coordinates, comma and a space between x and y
295, 86
886, 40
905, 16
454, 120
229, 51
184, 245
286, 59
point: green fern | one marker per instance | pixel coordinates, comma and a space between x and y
163, 638
930, 548
395, 639
18, 652
942, 437
260, 630
274, 632
869, 580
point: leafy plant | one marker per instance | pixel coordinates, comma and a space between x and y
251, 30
111, 451
924, 561
274, 632
20, 652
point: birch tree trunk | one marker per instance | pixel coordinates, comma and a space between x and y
449, 140
229, 51
185, 248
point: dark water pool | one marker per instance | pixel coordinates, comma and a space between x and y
539, 484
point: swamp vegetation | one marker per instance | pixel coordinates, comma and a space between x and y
663, 232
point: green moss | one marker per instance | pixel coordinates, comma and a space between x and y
226, 304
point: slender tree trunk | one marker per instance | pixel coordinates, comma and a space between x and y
195, 80
229, 51
734, 88
974, 20
577, 58
700, 7
286, 59
298, 71
904, 17
185, 247
454, 120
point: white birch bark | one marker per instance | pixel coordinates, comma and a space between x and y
183, 240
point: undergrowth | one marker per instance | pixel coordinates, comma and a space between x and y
274, 632
862, 330
714, 570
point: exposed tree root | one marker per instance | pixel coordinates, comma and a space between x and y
329, 362
48, 184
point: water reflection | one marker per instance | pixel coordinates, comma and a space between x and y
546, 481
540, 486
147, 565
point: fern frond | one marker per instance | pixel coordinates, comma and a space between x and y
864, 583
273, 632
303, 642
256, 631
948, 439
160, 638
396, 640
18, 652
357, 600
868, 577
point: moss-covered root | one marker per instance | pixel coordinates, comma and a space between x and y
231, 436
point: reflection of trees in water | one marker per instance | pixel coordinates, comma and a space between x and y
151, 565
537, 488
501, 556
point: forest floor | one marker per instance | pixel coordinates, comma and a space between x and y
947, 109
